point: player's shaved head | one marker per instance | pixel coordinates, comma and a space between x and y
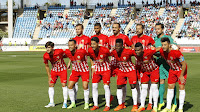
165, 44
119, 45
95, 43
49, 47
72, 44
139, 49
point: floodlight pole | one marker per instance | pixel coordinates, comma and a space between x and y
10, 18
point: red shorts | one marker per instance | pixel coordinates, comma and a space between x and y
153, 76
122, 77
174, 76
75, 76
98, 76
62, 75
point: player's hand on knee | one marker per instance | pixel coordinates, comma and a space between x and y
182, 79
50, 79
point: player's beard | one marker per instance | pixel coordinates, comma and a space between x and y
159, 35
140, 34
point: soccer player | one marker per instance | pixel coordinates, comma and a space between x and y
163, 66
146, 42
177, 73
126, 70
126, 42
103, 39
79, 69
55, 56
140, 37
83, 42
149, 72
117, 35
101, 66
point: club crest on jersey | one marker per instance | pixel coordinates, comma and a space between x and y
124, 58
143, 41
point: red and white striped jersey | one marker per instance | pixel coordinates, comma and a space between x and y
103, 40
144, 40
79, 62
124, 61
82, 42
146, 62
112, 40
56, 60
173, 58
101, 61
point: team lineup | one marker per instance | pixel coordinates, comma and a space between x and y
156, 60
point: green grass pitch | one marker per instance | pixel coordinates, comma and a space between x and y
24, 85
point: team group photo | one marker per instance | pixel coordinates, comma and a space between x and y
86, 55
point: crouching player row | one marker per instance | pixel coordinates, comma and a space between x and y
149, 71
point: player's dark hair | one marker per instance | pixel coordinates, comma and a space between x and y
49, 43
72, 40
97, 24
139, 24
96, 39
162, 25
165, 39
118, 24
119, 41
138, 44
80, 25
